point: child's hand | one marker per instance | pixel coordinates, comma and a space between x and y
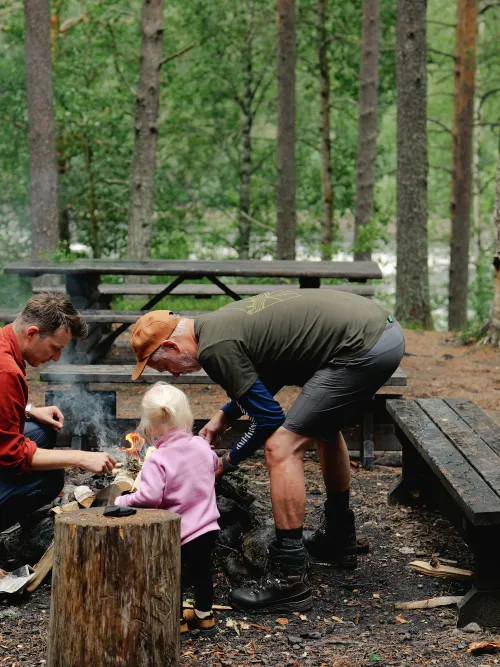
220, 471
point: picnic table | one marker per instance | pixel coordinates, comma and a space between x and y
83, 285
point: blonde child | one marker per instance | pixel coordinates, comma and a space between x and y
180, 477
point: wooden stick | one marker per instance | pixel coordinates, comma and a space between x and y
428, 604
441, 571
42, 568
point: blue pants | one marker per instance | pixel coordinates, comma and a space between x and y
20, 495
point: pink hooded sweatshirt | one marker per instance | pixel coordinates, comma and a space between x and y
180, 477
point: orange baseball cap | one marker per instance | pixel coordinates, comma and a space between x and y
149, 333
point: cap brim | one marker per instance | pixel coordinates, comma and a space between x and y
140, 366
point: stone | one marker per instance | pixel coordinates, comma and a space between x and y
472, 628
390, 459
255, 547
9, 613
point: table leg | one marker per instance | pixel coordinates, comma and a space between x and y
83, 292
306, 282
367, 445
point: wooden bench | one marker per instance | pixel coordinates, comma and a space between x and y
202, 291
103, 316
82, 376
451, 460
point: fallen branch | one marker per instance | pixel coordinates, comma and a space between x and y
428, 604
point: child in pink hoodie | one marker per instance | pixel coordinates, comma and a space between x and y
180, 477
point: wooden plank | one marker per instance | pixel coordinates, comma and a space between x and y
481, 457
198, 269
478, 421
475, 497
200, 289
104, 316
73, 374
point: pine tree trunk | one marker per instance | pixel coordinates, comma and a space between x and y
367, 133
494, 324
412, 276
465, 64
42, 135
140, 227
244, 226
285, 190
324, 129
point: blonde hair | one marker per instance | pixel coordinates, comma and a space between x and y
167, 408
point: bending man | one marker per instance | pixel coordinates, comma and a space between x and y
341, 348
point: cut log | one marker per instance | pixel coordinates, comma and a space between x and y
42, 568
84, 496
118, 580
69, 507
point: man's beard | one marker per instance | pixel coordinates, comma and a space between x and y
188, 363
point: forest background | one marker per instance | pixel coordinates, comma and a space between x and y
210, 51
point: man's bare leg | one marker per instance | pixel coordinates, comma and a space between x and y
284, 456
287, 590
335, 465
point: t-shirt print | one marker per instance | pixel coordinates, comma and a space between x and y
256, 304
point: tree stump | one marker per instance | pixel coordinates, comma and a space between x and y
115, 590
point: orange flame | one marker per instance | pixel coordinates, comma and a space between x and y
136, 444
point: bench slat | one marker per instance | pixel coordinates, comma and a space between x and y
187, 289
73, 374
476, 498
69, 374
104, 316
478, 421
475, 450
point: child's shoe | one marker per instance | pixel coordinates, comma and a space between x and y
184, 629
206, 626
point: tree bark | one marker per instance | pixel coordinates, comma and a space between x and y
493, 336
324, 130
367, 133
285, 190
412, 276
41, 135
115, 590
244, 226
140, 227
460, 208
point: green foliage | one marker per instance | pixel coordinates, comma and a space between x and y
197, 194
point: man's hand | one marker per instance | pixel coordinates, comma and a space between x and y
50, 415
212, 432
99, 463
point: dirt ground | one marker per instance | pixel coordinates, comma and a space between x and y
366, 629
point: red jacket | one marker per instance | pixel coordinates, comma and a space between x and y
16, 451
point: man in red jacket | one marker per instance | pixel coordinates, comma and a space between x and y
31, 473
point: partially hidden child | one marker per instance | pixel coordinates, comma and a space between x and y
180, 477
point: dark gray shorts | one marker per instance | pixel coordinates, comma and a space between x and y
336, 394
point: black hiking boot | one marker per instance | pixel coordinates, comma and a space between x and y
334, 542
284, 588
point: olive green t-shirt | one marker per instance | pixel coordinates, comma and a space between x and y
284, 337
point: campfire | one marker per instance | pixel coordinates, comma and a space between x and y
137, 444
